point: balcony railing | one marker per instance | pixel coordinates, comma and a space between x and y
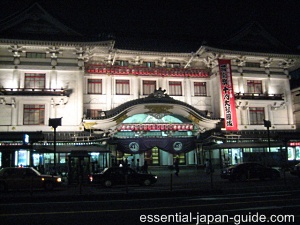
258, 96
35, 91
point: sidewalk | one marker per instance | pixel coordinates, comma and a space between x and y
191, 181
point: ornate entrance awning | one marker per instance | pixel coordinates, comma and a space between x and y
174, 145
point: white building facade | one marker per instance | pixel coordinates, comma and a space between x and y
123, 104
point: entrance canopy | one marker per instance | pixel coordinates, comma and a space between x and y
172, 145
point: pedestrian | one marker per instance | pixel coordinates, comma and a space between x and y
137, 165
145, 167
176, 166
132, 164
207, 166
236, 159
126, 163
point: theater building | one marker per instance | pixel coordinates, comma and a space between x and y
230, 102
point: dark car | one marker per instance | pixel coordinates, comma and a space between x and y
122, 175
26, 178
245, 171
295, 170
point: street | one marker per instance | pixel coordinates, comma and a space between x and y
192, 197
172, 210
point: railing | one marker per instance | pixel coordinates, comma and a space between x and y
34, 91
258, 96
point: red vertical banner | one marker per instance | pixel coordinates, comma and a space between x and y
227, 94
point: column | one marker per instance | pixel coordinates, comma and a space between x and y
191, 157
135, 87
108, 92
80, 77
53, 78
14, 115
288, 100
188, 91
16, 79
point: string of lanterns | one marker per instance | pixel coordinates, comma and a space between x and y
156, 127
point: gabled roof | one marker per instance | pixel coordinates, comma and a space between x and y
254, 37
157, 102
34, 21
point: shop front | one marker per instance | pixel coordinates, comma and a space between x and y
226, 154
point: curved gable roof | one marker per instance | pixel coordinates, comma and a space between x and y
34, 21
254, 37
158, 102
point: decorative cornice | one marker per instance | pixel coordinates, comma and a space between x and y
150, 53
108, 44
245, 53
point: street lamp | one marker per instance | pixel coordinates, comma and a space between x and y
267, 124
55, 122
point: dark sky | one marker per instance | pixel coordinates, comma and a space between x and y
182, 19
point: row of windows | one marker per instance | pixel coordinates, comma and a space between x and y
35, 114
36, 80
175, 87
126, 63
35, 55
149, 86
174, 64
147, 64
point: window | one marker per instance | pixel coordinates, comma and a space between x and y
93, 113
35, 55
94, 86
175, 88
34, 115
174, 65
149, 64
121, 63
200, 89
257, 115
122, 87
252, 64
149, 87
254, 86
34, 80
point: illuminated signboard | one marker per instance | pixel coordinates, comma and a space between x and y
156, 127
227, 94
294, 143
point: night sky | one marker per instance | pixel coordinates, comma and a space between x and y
177, 19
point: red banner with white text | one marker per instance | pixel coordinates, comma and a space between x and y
227, 94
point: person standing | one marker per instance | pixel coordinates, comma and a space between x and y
236, 159
145, 167
207, 166
137, 165
176, 165
132, 164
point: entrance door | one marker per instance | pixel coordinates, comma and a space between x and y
231, 156
79, 168
152, 156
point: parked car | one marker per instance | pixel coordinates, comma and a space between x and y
245, 171
26, 178
295, 170
122, 175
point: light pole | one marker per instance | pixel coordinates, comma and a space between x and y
267, 124
55, 122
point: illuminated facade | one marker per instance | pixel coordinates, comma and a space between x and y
118, 103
